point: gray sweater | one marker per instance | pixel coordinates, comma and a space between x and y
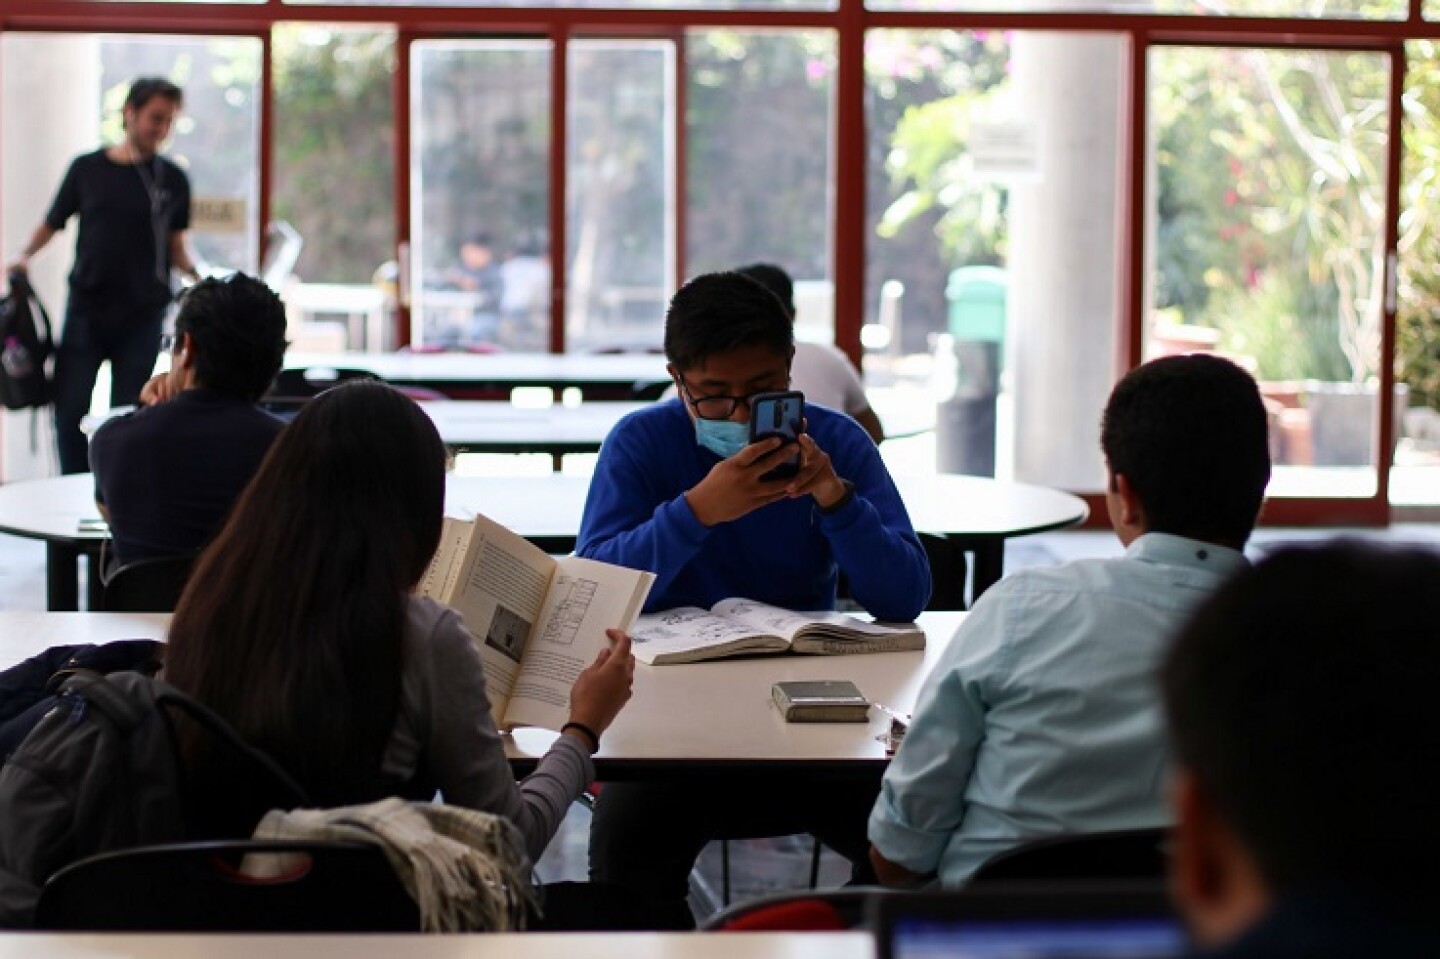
445, 723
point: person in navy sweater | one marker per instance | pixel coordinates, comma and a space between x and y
680, 491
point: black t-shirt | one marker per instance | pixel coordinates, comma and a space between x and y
127, 214
169, 474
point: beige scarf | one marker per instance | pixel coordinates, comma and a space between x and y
466, 870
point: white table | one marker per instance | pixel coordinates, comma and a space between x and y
975, 513
694, 717
472, 426
530, 945
491, 375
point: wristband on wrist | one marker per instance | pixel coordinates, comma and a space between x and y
586, 731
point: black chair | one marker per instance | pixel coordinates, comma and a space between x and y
148, 586
648, 391
296, 384
1124, 855
197, 887
948, 571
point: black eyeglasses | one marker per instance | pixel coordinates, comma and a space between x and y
720, 406
168, 341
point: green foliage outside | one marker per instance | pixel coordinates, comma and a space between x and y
1418, 320
334, 148
758, 168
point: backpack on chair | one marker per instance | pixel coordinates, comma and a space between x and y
26, 346
101, 771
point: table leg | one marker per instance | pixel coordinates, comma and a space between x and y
94, 581
989, 566
62, 576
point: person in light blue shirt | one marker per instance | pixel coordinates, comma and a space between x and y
1043, 715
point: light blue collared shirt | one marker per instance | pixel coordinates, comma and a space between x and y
1043, 715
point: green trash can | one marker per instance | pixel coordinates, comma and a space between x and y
976, 295
965, 422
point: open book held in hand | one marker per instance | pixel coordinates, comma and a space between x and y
739, 627
537, 621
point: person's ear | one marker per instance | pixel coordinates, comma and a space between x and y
1213, 877
184, 355
1194, 875
1132, 512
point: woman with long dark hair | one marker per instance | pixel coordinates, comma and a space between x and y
299, 626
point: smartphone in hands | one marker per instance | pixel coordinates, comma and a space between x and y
782, 415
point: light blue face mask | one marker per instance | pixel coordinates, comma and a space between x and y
724, 438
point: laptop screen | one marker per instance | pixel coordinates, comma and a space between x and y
1030, 923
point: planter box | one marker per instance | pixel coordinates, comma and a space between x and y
1343, 422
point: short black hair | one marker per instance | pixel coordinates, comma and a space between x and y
1301, 698
238, 327
774, 279
1190, 434
718, 312
145, 89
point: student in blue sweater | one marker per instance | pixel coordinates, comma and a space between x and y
678, 490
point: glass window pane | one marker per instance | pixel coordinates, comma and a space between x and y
991, 274
1322, 10
1415, 479
334, 111
620, 242
481, 194
63, 97
759, 135
599, 4
1268, 242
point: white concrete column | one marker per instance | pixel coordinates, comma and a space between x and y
49, 113
1062, 258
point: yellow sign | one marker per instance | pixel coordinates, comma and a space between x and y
217, 215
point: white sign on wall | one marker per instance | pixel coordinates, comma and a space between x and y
217, 215
1005, 149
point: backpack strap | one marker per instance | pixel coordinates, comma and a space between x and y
169, 696
97, 690
20, 288
93, 687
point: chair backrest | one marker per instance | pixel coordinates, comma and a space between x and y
193, 887
648, 391
283, 244
312, 381
1125, 855
947, 572
807, 911
149, 585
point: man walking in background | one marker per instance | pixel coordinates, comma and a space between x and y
134, 208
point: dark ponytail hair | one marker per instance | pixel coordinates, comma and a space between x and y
291, 624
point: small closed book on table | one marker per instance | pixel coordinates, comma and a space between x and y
739, 627
537, 621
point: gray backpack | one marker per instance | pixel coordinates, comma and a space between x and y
100, 772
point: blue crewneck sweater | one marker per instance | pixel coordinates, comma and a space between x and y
786, 553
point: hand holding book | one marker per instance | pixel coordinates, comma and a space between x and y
603, 688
